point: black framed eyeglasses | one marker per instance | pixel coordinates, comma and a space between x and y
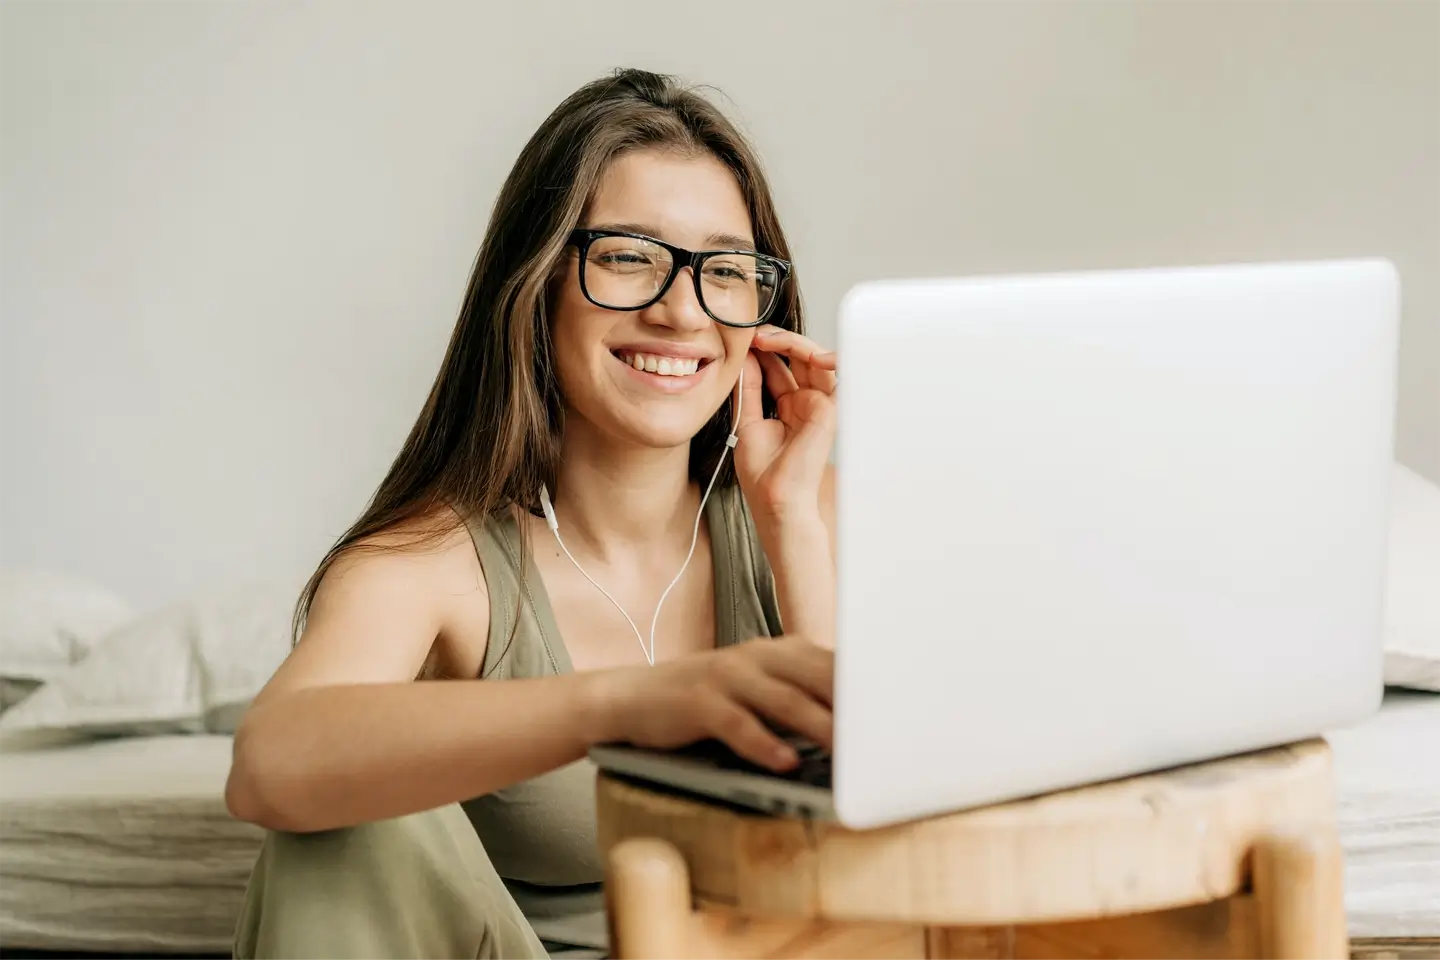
630, 271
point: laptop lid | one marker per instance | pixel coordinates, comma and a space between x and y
1098, 523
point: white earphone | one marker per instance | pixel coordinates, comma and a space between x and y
554, 525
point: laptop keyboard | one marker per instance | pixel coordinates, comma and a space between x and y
814, 768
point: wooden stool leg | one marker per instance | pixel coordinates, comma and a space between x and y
647, 888
1300, 896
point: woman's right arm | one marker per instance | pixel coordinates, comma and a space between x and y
343, 734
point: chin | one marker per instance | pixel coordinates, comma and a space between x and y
641, 411
660, 435
658, 426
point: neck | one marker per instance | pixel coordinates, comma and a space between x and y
610, 499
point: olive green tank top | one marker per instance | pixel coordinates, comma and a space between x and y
540, 834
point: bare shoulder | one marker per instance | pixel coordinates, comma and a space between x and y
431, 556
393, 605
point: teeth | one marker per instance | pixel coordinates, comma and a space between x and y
664, 366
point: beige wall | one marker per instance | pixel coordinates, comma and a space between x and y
235, 235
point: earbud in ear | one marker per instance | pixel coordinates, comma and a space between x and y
549, 509
734, 438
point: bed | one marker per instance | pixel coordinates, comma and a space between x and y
1387, 787
122, 846
121, 843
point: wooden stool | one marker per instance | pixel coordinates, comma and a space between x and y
1234, 858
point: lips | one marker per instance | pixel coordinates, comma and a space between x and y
662, 365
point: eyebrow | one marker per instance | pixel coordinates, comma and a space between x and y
724, 241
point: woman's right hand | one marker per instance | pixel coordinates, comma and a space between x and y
728, 695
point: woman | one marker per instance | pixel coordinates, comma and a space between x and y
598, 360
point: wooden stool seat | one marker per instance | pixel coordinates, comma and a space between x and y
1236, 857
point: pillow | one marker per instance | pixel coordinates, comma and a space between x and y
242, 638
47, 622
189, 668
1412, 588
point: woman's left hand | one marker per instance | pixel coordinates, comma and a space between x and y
781, 462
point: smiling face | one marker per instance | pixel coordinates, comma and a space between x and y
653, 377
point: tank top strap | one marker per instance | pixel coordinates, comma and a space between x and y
745, 601
524, 640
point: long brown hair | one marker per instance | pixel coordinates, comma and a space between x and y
489, 434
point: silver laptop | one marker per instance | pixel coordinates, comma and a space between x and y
1091, 525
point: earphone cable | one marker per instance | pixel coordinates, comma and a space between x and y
554, 525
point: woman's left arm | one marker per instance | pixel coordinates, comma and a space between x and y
785, 474
802, 560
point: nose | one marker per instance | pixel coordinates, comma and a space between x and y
679, 309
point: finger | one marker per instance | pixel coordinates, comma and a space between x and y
795, 346
752, 392
810, 416
778, 378
820, 378
800, 370
804, 664
791, 708
742, 731
811, 377
812, 366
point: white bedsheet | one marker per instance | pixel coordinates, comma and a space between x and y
122, 845
1387, 785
